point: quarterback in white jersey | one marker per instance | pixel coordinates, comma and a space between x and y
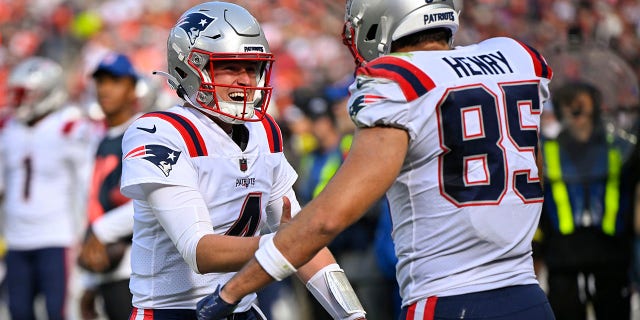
451, 136
209, 177
183, 147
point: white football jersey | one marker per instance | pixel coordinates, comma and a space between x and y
467, 201
183, 147
46, 172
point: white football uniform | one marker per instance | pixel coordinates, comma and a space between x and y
467, 200
46, 169
182, 147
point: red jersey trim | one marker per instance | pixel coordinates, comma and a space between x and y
541, 67
190, 134
413, 81
274, 134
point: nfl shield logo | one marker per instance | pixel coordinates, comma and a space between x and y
243, 164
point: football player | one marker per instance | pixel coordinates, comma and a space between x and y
451, 136
47, 149
209, 177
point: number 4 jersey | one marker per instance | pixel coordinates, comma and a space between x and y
467, 201
185, 148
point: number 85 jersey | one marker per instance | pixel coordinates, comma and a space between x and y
183, 147
468, 197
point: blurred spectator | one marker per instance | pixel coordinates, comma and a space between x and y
585, 242
46, 156
635, 171
305, 35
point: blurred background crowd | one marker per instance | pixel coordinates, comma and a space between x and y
304, 35
597, 41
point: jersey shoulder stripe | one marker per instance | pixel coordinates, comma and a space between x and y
542, 68
413, 81
68, 127
274, 135
190, 134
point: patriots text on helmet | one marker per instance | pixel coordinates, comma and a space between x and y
492, 63
254, 48
437, 17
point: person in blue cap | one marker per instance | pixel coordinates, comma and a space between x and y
105, 252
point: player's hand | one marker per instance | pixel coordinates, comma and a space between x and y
286, 211
93, 254
88, 305
212, 307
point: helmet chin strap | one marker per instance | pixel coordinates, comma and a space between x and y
383, 47
174, 84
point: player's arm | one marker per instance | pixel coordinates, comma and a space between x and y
184, 215
110, 228
322, 275
373, 163
115, 224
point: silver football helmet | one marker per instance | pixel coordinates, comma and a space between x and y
36, 87
372, 25
218, 31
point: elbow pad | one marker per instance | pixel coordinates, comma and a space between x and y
332, 289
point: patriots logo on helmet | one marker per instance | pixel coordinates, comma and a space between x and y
194, 23
163, 157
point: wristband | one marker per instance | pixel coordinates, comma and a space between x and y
264, 238
272, 260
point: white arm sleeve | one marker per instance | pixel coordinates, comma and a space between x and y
274, 211
183, 215
114, 224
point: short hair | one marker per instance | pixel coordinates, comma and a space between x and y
427, 35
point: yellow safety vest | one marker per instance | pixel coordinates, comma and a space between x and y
331, 167
561, 195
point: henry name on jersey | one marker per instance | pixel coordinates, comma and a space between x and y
484, 64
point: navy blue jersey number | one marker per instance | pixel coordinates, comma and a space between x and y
249, 220
473, 167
